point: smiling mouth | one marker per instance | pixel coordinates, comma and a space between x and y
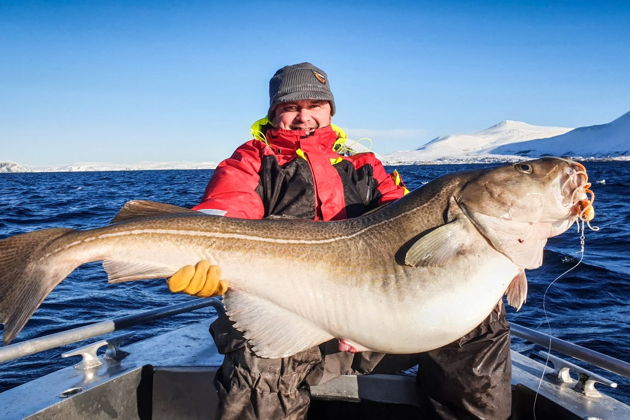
309, 130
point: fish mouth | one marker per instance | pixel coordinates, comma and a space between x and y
577, 192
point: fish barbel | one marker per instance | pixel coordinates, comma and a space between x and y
411, 276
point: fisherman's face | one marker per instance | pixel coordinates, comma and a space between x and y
302, 115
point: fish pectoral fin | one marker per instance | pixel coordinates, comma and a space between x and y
272, 330
517, 291
144, 208
441, 244
521, 242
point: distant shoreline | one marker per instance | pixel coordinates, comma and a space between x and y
12, 167
59, 171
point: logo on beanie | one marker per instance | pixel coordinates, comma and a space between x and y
319, 77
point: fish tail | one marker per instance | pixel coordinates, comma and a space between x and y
27, 276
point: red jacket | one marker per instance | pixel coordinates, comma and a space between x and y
298, 175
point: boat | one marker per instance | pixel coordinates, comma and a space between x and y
170, 376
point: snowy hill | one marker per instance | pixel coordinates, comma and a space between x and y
513, 140
605, 140
476, 146
6, 167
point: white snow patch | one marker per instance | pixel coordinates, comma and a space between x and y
6, 167
475, 146
515, 140
596, 141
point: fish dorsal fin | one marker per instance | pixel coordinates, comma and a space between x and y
441, 244
280, 217
517, 291
144, 208
271, 330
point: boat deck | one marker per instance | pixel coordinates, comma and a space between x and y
170, 376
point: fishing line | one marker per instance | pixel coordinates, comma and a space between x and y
581, 228
585, 215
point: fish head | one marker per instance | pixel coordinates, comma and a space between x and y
517, 207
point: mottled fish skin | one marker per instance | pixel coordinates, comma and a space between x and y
369, 280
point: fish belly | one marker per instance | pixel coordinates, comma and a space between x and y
394, 309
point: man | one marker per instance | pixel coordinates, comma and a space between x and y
297, 166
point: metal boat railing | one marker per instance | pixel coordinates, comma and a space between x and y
47, 342
593, 357
36, 345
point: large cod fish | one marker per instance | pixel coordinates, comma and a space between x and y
409, 277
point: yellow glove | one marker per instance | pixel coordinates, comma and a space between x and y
202, 280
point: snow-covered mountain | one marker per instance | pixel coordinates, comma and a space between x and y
12, 167
513, 140
476, 146
600, 141
104, 166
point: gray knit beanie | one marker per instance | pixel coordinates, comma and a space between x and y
299, 82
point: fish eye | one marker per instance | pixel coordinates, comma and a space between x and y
526, 168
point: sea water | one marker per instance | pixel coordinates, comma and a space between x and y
589, 306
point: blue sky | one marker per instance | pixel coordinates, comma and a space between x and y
130, 81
